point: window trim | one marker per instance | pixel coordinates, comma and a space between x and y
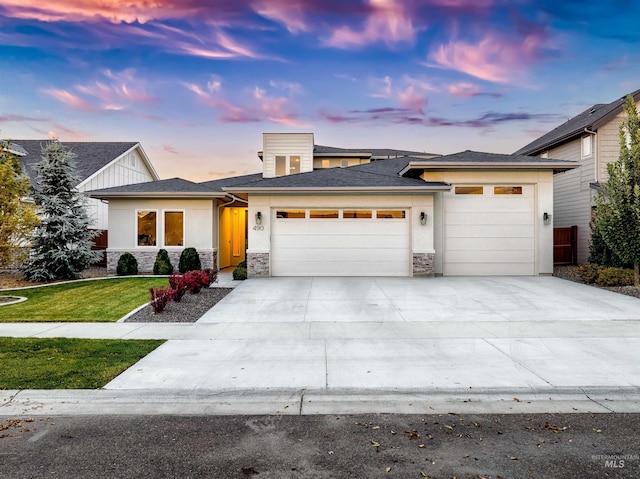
136, 231
164, 227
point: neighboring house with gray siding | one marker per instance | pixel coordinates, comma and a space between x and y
592, 139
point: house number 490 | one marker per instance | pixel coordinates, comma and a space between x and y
258, 227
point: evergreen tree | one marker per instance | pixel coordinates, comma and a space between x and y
618, 202
17, 217
61, 244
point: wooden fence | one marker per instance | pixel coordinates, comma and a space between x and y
565, 245
101, 241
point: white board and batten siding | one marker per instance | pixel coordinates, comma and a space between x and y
340, 246
286, 144
128, 169
490, 234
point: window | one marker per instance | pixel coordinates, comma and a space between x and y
147, 227
507, 190
323, 214
545, 155
344, 163
358, 214
326, 163
586, 146
174, 228
294, 165
469, 190
290, 214
394, 214
281, 165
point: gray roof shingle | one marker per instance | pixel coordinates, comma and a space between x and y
159, 187
91, 156
591, 118
375, 152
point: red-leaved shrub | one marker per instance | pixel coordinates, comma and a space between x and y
179, 286
159, 298
192, 281
212, 273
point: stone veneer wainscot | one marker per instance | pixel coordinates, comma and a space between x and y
146, 258
423, 264
258, 265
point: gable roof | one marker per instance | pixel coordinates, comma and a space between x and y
171, 188
590, 119
380, 175
91, 156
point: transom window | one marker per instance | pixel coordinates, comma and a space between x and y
469, 190
174, 228
147, 228
349, 213
507, 190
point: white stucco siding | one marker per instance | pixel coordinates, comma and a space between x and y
198, 222
286, 144
129, 169
341, 246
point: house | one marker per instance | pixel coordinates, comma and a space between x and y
98, 164
325, 211
592, 140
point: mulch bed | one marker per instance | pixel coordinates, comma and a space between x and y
189, 310
569, 273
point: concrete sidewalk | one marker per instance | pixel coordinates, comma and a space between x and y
381, 345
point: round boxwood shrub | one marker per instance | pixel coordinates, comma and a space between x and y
127, 265
162, 264
189, 260
240, 273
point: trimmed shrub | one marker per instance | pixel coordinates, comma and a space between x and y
162, 265
189, 260
242, 264
615, 277
589, 272
127, 265
179, 286
193, 281
159, 298
240, 273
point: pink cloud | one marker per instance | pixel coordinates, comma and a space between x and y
289, 13
494, 58
388, 21
70, 99
412, 101
469, 90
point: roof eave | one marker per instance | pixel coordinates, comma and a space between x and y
563, 166
344, 154
192, 195
349, 189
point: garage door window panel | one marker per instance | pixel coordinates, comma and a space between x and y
469, 190
323, 214
357, 214
290, 214
390, 214
507, 190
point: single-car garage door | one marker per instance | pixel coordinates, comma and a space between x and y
489, 230
340, 242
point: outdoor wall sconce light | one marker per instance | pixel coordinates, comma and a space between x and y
546, 217
259, 218
423, 218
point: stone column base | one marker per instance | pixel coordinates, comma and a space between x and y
423, 264
258, 265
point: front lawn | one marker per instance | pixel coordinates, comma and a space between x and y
80, 301
63, 363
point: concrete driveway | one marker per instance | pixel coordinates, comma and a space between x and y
457, 334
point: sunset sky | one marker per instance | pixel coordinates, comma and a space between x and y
197, 82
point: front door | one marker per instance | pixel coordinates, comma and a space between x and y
233, 236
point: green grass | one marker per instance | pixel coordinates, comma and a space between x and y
80, 301
63, 363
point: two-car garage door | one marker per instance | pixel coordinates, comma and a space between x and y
489, 230
340, 242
